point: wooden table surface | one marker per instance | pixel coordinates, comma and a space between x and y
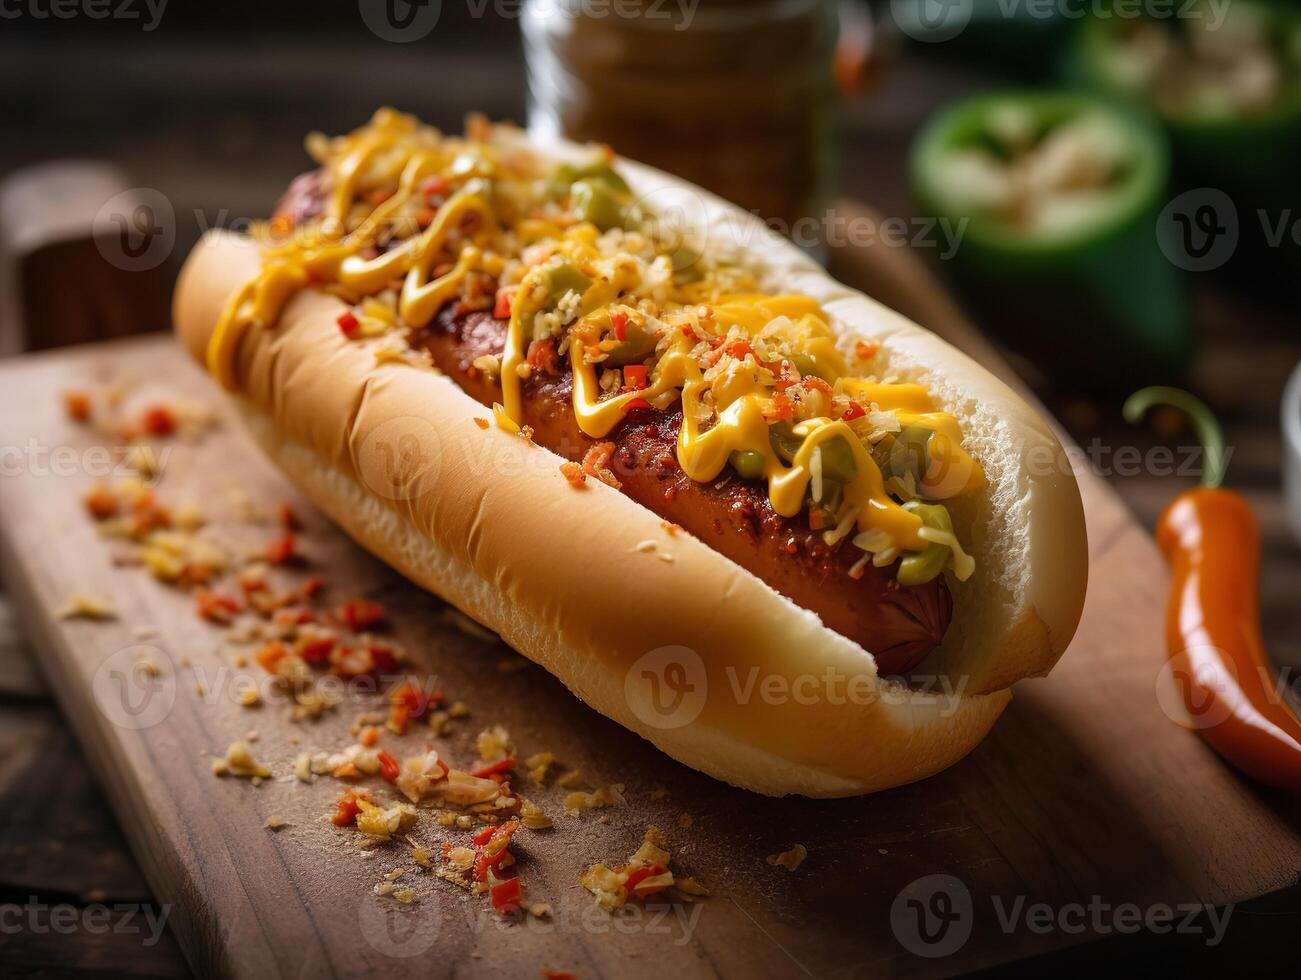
59, 842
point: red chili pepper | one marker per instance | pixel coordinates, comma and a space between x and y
216, 607
641, 874
484, 835
269, 656
434, 186
739, 349
483, 861
101, 502
382, 658
345, 809
783, 409
348, 323
501, 309
854, 411
493, 768
636, 404
158, 420
619, 323
315, 650
77, 405
288, 517
506, 896
281, 549
636, 377
1217, 654
388, 767
360, 614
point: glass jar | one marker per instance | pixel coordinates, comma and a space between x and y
735, 95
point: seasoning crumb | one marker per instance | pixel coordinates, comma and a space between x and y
685, 820
482, 423
574, 474
790, 860
82, 606
239, 761
275, 822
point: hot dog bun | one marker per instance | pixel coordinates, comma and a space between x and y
568, 578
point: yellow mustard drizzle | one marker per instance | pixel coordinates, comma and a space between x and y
741, 423
720, 417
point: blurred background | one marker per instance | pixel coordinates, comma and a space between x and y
1108, 192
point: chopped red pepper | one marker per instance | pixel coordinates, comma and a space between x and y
77, 405
388, 767
636, 377
816, 383
434, 186
216, 607
619, 322
493, 768
315, 650
346, 809
309, 588
281, 549
158, 420
101, 502
542, 356
637, 403
369, 736
360, 614
288, 517
506, 896
636, 876
783, 409
382, 658
854, 411
501, 308
269, 656
484, 835
739, 349
348, 323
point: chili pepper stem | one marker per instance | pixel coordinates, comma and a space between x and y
1203, 419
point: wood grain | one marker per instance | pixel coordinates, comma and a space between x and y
1085, 789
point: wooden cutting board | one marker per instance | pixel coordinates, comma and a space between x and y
1085, 791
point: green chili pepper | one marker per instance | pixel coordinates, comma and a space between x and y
638, 344
919, 567
562, 278
784, 441
1250, 152
833, 495
599, 172
838, 463
747, 463
686, 264
905, 453
807, 366
1073, 273
594, 201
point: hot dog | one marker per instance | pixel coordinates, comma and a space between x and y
824, 486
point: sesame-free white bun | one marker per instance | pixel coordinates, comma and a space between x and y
569, 577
